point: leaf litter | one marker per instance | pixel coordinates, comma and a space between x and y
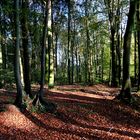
83, 113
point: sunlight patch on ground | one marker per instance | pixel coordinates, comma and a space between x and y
12, 117
82, 94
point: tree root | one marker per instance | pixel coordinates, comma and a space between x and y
38, 104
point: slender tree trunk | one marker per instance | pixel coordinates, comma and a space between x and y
138, 36
113, 77
43, 49
72, 61
77, 66
56, 45
4, 49
118, 48
135, 57
112, 20
87, 56
102, 64
69, 38
79, 70
72, 53
18, 101
0, 38
50, 48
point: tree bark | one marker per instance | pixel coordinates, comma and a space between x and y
69, 38
25, 45
39, 101
110, 6
50, 47
138, 37
135, 57
126, 83
18, 101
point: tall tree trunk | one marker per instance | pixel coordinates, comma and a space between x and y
25, 44
77, 66
3, 36
72, 53
102, 64
135, 57
110, 6
43, 49
50, 48
79, 70
113, 54
18, 100
39, 97
69, 38
138, 36
56, 46
126, 83
118, 48
87, 56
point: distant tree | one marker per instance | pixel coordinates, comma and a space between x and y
113, 8
69, 39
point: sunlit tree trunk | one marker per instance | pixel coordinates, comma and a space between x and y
39, 100
135, 57
56, 47
50, 48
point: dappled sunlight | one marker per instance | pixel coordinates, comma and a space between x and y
81, 114
82, 94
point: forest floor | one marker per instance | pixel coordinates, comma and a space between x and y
85, 113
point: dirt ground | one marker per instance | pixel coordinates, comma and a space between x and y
83, 113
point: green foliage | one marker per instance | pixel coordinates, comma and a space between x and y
6, 77
35, 77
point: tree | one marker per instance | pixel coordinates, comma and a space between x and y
115, 10
18, 101
50, 49
138, 37
69, 40
39, 101
126, 83
25, 45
